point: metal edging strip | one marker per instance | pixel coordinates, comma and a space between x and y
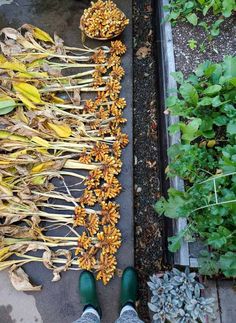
181, 257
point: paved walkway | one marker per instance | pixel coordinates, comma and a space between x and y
224, 293
58, 302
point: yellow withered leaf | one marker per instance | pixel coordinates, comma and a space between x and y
42, 166
32, 58
62, 130
14, 66
41, 75
19, 115
7, 135
18, 153
38, 33
38, 180
6, 256
36, 63
4, 251
40, 142
56, 99
26, 102
28, 91
42, 35
2, 59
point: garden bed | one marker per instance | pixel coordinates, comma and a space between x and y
180, 54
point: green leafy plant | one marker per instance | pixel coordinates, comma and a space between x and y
192, 44
193, 10
205, 159
176, 297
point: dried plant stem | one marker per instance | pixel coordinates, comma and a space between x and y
57, 206
83, 88
54, 260
52, 55
104, 48
71, 65
56, 195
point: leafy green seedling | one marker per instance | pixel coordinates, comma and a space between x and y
192, 44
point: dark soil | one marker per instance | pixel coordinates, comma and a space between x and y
224, 44
148, 226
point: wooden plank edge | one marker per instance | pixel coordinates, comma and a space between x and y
168, 61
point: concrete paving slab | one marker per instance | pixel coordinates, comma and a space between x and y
227, 297
225, 300
58, 302
211, 291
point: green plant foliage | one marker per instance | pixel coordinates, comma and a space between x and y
191, 11
205, 159
176, 297
192, 44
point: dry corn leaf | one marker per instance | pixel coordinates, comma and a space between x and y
7, 135
21, 246
28, 91
5, 191
2, 59
3, 252
34, 60
56, 99
20, 280
50, 165
27, 102
18, 153
48, 261
10, 33
14, 66
38, 33
40, 142
62, 130
25, 43
20, 115
10, 49
17, 231
38, 180
40, 75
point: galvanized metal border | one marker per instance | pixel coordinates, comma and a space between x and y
181, 257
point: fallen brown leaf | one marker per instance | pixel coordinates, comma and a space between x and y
143, 52
20, 280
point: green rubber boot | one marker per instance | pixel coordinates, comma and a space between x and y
88, 292
129, 287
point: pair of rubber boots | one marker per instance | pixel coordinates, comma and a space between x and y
88, 291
